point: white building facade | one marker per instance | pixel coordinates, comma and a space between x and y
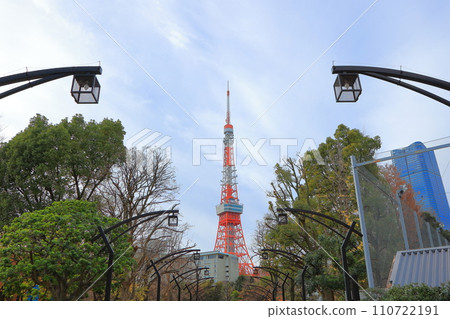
221, 266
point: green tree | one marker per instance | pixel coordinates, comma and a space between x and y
53, 249
213, 292
53, 162
321, 181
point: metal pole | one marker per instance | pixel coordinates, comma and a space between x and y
196, 285
438, 237
348, 293
190, 294
158, 289
383, 159
274, 291
402, 219
178, 286
292, 289
303, 284
282, 287
363, 223
419, 234
430, 238
110, 264
355, 288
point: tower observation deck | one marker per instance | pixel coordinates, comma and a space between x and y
230, 236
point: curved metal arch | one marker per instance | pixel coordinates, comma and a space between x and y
272, 269
261, 290
179, 252
199, 280
44, 76
283, 252
387, 74
286, 276
270, 282
186, 272
155, 214
197, 290
304, 212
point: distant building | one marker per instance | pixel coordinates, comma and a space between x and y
222, 267
422, 172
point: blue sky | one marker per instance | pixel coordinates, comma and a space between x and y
166, 65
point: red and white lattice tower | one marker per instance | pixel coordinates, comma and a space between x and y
230, 236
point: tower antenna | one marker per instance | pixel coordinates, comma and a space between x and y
228, 103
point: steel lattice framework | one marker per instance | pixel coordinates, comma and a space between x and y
230, 236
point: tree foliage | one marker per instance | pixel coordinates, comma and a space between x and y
213, 292
54, 162
416, 292
53, 248
321, 181
79, 160
144, 182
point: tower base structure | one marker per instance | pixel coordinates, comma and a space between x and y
230, 236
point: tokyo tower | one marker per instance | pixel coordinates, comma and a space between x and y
230, 236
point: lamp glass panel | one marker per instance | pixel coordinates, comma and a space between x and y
173, 220
85, 89
347, 88
282, 219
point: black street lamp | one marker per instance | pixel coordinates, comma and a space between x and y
172, 220
351, 292
293, 258
347, 87
270, 281
282, 218
85, 86
85, 89
103, 232
174, 278
197, 281
153, 264
286, 276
